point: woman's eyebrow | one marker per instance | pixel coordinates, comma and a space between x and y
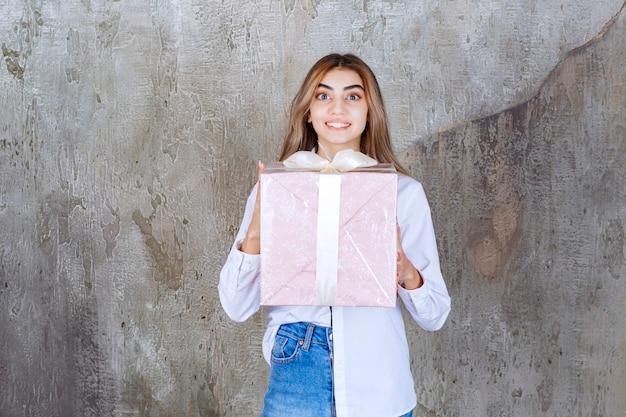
350, 87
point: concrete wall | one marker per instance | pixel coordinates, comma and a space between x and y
129, 133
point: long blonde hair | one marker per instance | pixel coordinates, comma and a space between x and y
375, 140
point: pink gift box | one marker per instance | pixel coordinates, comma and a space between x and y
328, 238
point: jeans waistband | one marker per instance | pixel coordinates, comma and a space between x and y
307, 333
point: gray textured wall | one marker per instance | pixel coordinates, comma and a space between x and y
128, 137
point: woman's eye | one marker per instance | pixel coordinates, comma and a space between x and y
322, 96
354, 97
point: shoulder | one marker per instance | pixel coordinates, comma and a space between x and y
411, 196
409, 187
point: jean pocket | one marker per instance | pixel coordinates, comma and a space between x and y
285, 349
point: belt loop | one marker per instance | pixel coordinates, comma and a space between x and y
308, 337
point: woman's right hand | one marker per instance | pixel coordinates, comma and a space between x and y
252, 242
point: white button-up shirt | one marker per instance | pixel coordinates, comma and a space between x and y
372, 374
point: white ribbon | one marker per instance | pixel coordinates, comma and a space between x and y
345, 160
327, 253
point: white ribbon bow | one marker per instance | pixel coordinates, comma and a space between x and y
344, 160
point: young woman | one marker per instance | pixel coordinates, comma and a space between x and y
342, 361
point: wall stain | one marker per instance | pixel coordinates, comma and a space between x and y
73, 61
289, 5
545, 392
169, 263
372, 27
11, 59
495, 229
110, 231
26, 29
87, 4
107, 30
612, 248
56, 207
310, 7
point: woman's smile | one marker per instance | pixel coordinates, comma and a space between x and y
337, 125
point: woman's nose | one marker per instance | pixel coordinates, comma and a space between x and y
337, 107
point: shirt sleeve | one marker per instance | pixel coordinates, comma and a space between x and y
239, 286
428, 305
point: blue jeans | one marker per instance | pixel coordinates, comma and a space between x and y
301, 375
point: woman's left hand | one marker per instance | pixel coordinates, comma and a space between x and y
407, 275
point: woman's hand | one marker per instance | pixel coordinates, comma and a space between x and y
252, 242
407, 275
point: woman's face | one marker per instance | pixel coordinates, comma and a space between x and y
338, 111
